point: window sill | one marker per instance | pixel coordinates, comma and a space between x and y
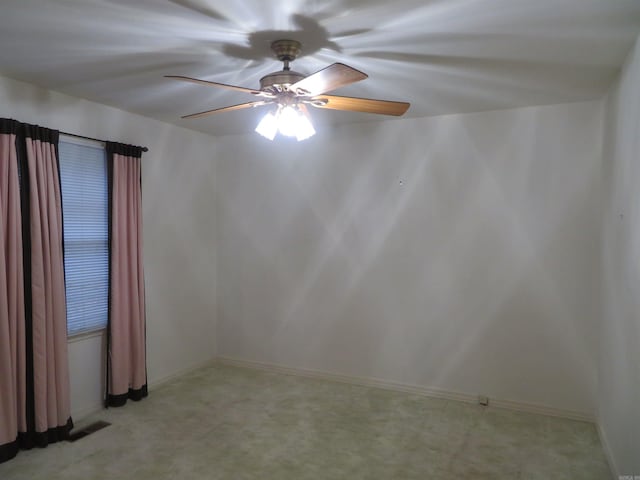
78, 337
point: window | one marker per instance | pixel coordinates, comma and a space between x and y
83, 175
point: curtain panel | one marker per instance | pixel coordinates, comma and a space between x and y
126, 361
51, 388
34, 387
12, 322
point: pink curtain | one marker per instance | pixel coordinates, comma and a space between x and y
127, 376
34, 376
48, 304
12, 322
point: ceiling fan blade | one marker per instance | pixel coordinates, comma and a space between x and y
327, 79
225, 109
367, 105
305, 111
214, 84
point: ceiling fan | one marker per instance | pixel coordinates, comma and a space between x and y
290, 92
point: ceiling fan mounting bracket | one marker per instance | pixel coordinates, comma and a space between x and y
286, 50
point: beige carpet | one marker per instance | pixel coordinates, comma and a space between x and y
232, 423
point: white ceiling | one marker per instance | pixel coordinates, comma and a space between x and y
443, 56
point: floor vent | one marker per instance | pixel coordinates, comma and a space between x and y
88, 430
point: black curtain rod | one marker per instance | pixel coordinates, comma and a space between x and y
144, 149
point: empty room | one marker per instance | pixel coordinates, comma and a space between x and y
320, 239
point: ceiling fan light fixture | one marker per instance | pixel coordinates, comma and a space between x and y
289, 121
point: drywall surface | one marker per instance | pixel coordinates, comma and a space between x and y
87, 359
178, 224
455, 252
619, 361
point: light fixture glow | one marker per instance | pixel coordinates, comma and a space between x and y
305, 128
289, 121
268, 126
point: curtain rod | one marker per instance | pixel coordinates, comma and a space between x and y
144, 149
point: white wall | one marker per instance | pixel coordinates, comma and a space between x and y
178, 223
456, 252
453, 252
619, 363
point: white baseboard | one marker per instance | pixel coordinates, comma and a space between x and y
615, 473
407, 388
162, 380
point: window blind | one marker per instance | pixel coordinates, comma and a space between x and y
83, 176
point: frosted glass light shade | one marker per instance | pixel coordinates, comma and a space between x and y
268, 126
304, 128
287, 120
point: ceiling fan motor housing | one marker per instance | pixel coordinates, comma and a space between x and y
278, 82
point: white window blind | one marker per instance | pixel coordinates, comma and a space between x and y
83, 175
